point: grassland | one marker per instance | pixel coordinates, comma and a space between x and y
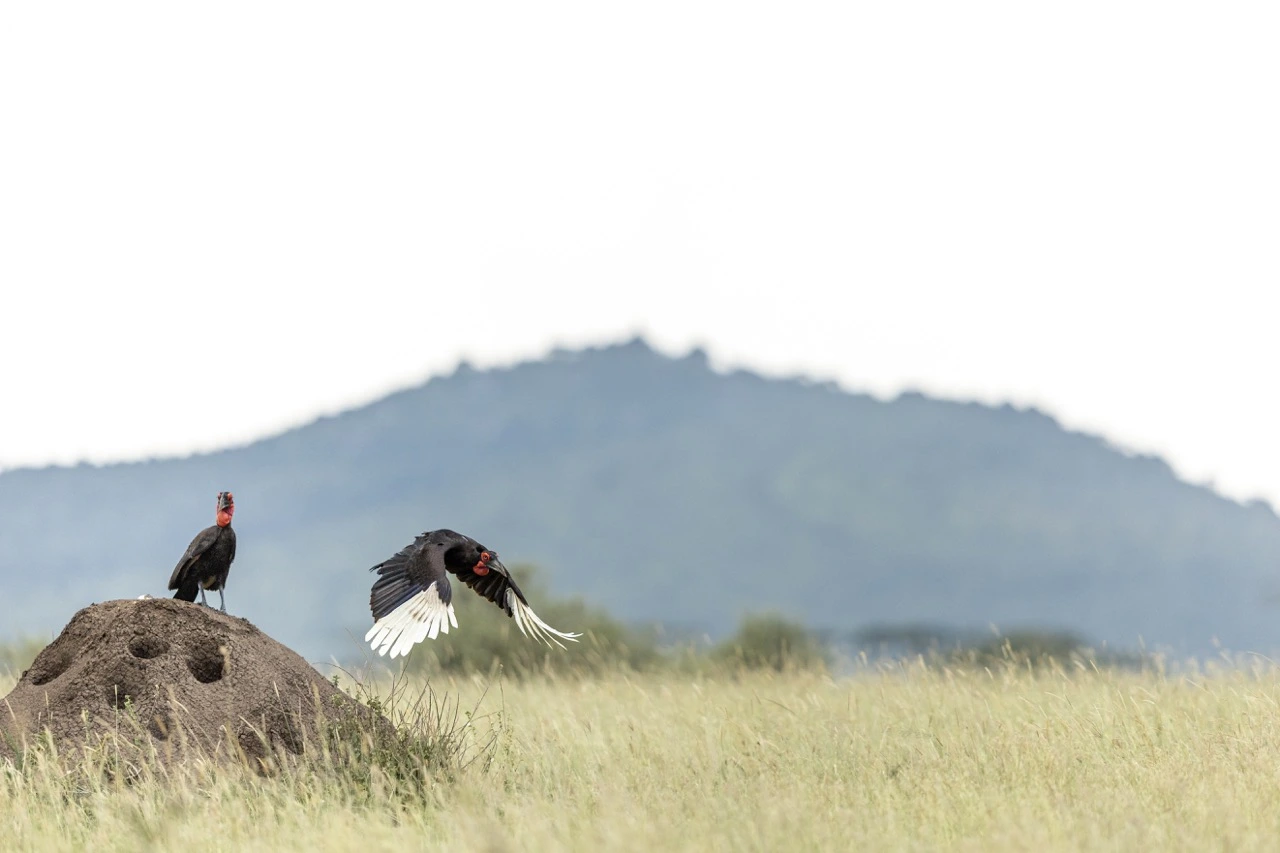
906, 758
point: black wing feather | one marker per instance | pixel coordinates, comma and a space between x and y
498, 586
413, 568
492, 586
203, 542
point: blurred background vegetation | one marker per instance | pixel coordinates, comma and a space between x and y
487, 642
16, 655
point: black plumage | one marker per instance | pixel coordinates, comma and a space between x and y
412, 598
208, 558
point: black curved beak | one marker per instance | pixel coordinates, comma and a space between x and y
495, 565
225, 500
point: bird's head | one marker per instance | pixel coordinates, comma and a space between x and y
226, 508
466, 553
485, 561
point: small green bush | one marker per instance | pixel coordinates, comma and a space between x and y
767, 641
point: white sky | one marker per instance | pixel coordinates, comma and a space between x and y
218, 220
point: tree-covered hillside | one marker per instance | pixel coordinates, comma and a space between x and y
664, 491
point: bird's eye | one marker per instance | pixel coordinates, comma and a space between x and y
485, 556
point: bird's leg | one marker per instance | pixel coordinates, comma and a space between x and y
203, 600
222, 601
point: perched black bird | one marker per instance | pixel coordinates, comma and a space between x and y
412, 599
208, 558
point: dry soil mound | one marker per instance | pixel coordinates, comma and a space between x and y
182, 674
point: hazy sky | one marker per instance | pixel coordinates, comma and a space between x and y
218, 220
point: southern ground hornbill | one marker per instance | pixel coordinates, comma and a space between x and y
412, 599
208, 558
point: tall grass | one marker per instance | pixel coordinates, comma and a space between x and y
905, 757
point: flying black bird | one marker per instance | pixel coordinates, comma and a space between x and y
412, 599
208, 558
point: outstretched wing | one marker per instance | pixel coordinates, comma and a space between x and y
411, 599
500, 587
203, 542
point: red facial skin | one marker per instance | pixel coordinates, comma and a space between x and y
224, 515
481, 568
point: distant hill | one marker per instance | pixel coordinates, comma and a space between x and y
667, 492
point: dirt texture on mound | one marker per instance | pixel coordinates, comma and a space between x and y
182, 674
